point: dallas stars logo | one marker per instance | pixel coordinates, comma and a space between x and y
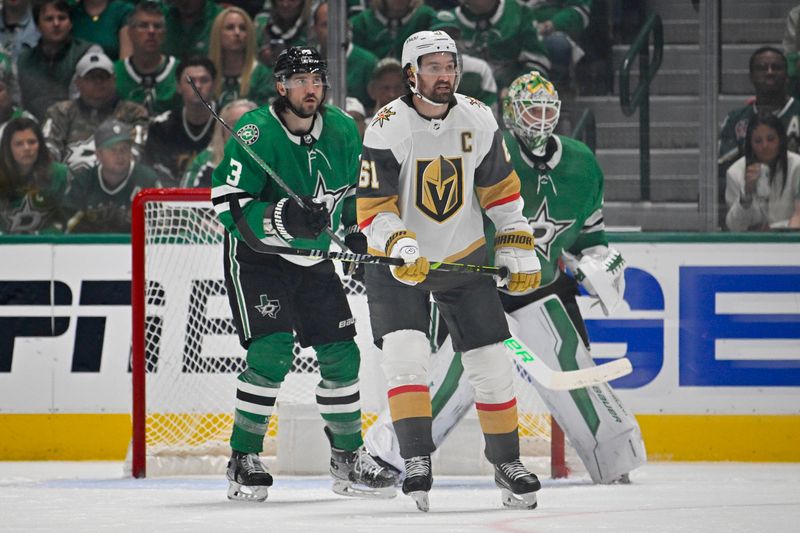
546, 230
248, 133
383, 116
268, 307
330, 197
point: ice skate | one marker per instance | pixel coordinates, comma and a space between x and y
249, 480
419, 480
517, 485
356, 473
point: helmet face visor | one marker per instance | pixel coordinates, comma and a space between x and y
535, 120
531, 109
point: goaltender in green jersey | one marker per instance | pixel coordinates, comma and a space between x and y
315, 148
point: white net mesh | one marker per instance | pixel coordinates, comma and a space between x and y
192, 354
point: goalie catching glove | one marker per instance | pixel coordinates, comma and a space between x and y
403, 244
601, 271
513, 249
291, 221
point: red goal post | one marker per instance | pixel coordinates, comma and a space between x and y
185, 352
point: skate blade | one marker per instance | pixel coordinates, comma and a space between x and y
244, 493
518, 501
421, 499
347, 488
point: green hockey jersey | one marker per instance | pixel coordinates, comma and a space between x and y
157, 92
507, 40
385, 37
563, 200
568, 16
323, 163
36, 210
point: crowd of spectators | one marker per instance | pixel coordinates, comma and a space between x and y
73, 73
70, 69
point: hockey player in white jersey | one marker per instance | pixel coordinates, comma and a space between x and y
432, 162
562, 186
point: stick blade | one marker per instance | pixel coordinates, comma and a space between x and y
586, 377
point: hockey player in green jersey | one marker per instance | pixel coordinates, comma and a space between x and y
315, 149
562, 186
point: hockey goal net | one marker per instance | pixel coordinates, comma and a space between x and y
186, 355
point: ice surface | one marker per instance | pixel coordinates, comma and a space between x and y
664, 497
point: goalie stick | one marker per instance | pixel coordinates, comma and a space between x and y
260, 162
528, 361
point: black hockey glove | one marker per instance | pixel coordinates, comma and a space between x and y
293, 222
357, 243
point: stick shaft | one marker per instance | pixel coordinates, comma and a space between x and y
261, 163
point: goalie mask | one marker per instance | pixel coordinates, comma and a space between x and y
300, 60
423, 43
531, 110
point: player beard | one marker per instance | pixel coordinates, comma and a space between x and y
441, 93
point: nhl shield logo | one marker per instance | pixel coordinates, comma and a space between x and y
440, 187
248, 133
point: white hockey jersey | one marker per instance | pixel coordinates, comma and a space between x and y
433, 177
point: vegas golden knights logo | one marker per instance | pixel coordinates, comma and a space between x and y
440, 187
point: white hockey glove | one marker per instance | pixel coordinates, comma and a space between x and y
601, 271
513, 249
404, 244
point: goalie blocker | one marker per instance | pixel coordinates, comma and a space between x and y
604, 434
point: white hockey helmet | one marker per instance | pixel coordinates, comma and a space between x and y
531, 110
428, 42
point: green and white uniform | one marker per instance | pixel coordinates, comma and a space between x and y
101, 209
568, 16
157, 91
385, 37
36, 210
274, 297
507, 39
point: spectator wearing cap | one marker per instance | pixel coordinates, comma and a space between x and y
17, 27
69, 125
46, 71
476, 78
147, 76
360, 62
9, 93
101, 196
178, 135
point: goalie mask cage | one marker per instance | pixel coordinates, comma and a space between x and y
186, 354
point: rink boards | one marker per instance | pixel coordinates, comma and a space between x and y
711, 325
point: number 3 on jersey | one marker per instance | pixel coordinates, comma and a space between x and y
236, 173
368, 179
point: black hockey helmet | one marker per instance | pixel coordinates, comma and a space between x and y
299, 59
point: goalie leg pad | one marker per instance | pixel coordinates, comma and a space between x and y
604, 434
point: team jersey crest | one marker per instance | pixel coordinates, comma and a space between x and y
248, 133
440, 187
268, 307
383, 116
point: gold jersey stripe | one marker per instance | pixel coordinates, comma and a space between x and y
367, 208
466, 251
505, 188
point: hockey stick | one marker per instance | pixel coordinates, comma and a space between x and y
258, 246
526, 360
260, 162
